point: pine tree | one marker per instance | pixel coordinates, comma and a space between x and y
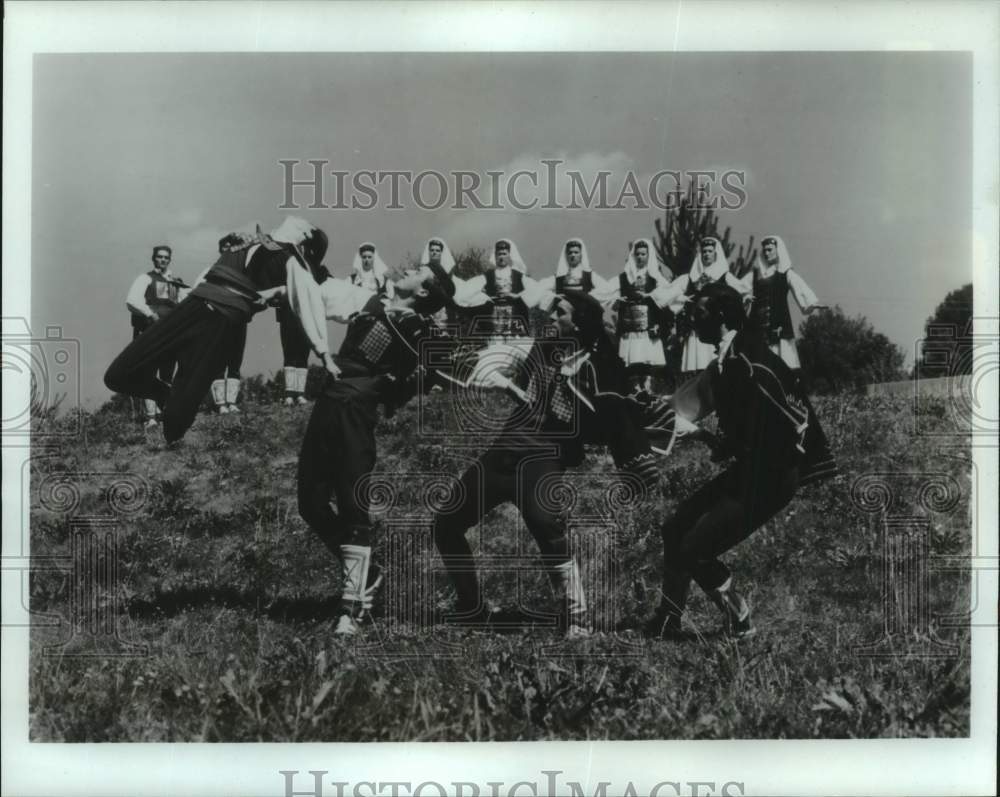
681, 228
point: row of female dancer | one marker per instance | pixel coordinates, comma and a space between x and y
571, 390
648, 302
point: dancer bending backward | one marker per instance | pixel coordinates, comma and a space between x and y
773, 280
204, 329
569, 402
376, 365
769, 429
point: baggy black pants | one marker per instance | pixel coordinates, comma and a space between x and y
200, 338
295, 346
337, 455
529, 480
233, 363
721, 514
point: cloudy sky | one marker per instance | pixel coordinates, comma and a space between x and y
861, 162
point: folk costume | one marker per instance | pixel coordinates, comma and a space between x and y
150, 298
570, 396
770, 429
696, 355
446, 316
375, 278
577, 278
772, 283
504, 286
207, 326
641, 313
377, 363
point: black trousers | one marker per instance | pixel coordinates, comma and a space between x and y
721, 514
234, 361
295, 345
199, 338
164, 371
530, 481
337, 455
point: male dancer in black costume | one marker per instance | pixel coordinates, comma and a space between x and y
376, 364
769, 429
572, 401
203, 330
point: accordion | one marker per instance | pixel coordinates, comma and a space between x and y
635, 318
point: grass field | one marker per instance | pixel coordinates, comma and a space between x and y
196, 606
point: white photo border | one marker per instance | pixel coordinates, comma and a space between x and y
913, 766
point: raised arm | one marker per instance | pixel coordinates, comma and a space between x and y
803, 294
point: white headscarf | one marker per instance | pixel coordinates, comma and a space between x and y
447, 259
718, 269
379, 268
516, 262
652, 264
784, 259
563, 268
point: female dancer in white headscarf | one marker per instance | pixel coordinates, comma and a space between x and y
370, 271
644, 293
710, 265
773, 280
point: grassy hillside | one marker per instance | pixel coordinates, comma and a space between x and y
215, 622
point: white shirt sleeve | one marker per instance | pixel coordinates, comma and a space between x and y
136, 299
803, 293
744, 285
307, 303
469, 293
672, 294
341, 299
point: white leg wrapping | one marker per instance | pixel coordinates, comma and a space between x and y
355, 560
232, 390
300, 379
291, 379
219, 392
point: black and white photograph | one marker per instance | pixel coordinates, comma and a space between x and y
615, 379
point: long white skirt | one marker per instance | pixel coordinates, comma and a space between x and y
788, 352
696, 356
637, 348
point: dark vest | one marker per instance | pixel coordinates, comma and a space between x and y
770, 306
161, 293
516, 281
586, 283
377, 344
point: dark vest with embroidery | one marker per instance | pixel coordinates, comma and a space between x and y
586, 283
770, 306
381, 342
161, 296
